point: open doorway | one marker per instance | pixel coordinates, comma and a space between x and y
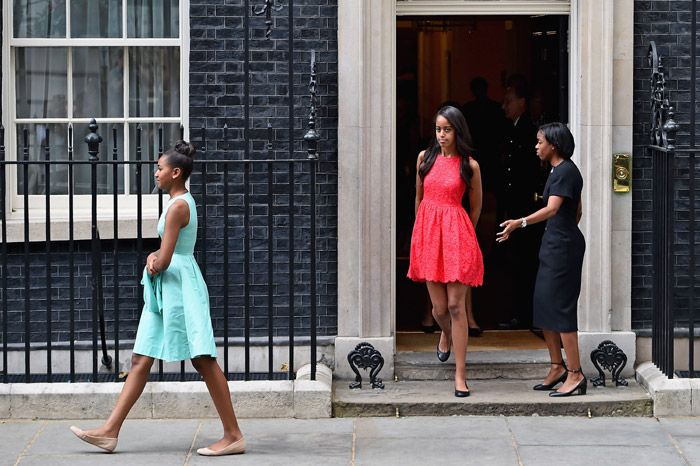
449, 60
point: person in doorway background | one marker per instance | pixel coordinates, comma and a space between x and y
561, 259
175, 322
444, 251
521, 172
486, 121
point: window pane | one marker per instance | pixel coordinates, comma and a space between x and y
154, 82
81, 179
41, 82
39, 18
149, 151
36, 144
98, 82
90, 18
153, 18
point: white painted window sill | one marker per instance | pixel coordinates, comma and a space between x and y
82, 225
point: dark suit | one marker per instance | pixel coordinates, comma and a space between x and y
522, 176
520, 170
486, 120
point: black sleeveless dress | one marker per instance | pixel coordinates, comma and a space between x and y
558, 282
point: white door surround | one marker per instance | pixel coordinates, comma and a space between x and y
601, 50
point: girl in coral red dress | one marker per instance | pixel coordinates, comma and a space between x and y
444, 250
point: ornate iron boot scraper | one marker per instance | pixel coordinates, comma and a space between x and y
365, 356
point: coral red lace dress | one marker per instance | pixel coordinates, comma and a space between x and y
443, 246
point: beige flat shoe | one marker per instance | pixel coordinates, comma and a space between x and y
236, 448
106, 443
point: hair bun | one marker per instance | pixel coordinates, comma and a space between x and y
185, 148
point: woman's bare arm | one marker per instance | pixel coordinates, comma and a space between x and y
419, 182
545, 213
475, 193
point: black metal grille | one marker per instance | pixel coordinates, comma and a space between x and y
261, 206
674, 228
258, 201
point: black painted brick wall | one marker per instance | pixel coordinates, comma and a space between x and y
216, 99
667, 23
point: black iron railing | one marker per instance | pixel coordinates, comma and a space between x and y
673, 228
264, 204
257, 215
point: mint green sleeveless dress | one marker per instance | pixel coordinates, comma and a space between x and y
175, 322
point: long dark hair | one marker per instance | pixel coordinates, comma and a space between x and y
463, 142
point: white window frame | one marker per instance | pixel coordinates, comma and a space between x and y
82, 203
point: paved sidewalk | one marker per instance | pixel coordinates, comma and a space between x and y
453, 440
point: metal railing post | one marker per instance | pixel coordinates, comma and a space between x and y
93, 141
47, 192
3, 252
311, 139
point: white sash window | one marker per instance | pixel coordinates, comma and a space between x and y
122, 62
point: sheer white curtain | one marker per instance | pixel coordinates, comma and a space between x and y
39, 18
40, 92
153, 18
96, 18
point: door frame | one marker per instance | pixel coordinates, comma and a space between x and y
441, 8
601, 45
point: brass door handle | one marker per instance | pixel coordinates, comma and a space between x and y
538, 197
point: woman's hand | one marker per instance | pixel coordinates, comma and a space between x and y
509, 226
151, 264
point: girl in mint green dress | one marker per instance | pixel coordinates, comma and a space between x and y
175, 323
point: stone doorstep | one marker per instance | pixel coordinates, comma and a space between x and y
481, 365
672, 397
251, 399
489, 397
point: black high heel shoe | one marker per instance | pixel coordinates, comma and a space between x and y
462, 393
475, 331
550, 386
579, 389
442, 355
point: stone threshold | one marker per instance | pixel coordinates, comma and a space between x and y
300, 398
488, 397
481, 365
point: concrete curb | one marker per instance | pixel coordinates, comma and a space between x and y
672, 397
167, 400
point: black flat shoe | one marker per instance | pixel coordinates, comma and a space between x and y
550, 386
579, 389
462, 393
475, 331
442, 355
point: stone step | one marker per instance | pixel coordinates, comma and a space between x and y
481, 365
489, 397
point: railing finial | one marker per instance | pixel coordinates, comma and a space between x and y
311, 137
267, 9
663, 126
93, 140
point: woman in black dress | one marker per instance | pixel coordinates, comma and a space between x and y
561, 259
